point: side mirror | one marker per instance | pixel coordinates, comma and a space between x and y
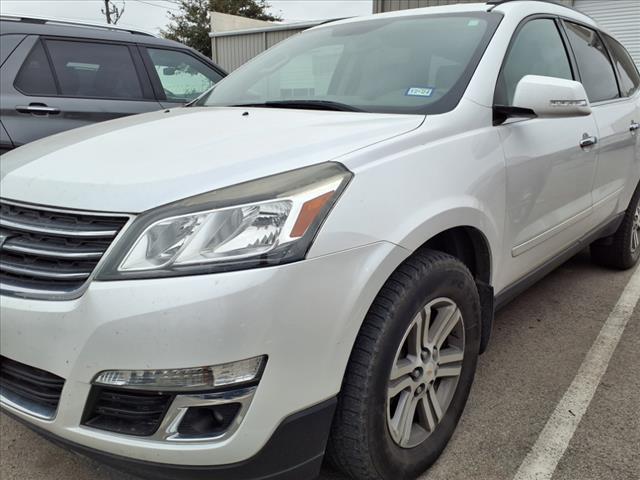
544, 97
550, 97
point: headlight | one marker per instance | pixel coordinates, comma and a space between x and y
265, 222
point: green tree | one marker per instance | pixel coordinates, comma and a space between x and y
191, 25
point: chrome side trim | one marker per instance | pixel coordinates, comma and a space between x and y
541, 238
537, 240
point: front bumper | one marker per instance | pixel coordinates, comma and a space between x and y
303, 316
294, 452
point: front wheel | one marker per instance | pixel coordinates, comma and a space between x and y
410, 371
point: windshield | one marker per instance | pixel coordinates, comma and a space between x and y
407, 64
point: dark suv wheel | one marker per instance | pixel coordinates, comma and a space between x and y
410, 371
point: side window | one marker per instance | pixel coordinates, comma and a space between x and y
537, 49
94, 70
596, 71
182, 76
627, 71
35, 77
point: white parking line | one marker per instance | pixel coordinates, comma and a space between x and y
543, 458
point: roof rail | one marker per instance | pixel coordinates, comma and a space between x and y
495, 3
72, 23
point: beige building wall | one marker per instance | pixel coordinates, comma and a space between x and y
223, 22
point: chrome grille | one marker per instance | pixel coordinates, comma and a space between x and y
51, 252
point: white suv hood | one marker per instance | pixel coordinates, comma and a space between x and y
140, 162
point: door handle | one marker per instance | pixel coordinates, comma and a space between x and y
588, 141
38, 109
633, 128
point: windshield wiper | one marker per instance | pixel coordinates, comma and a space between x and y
304, 104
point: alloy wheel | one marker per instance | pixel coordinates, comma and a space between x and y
425, 372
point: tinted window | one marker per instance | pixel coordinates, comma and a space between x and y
35, 77
411, 64
627, 72
537, 49
183, 78
94, 70
595, 68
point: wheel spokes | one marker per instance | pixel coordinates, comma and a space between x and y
435, 403
414, 339
450, 355
446, 319
403, 367
425, 415
399, 385
402, 422
449, 371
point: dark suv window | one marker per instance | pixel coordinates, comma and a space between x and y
596, 71
35, 77
96, 70
627, 71
537, 49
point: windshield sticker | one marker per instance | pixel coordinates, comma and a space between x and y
419, 92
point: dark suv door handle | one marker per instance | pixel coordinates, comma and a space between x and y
588, 141
38, 109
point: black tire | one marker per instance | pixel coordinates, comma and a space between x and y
618, 252
360, 443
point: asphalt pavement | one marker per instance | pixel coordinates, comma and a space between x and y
539, 343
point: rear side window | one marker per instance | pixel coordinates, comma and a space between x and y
183, 78
596, 71
537, 49
35, 77
94, 70
627, 72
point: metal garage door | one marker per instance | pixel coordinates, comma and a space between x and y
620, 18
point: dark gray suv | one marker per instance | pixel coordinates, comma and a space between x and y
55, 76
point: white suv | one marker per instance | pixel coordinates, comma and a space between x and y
309, 258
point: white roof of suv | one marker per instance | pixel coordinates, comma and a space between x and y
518, 8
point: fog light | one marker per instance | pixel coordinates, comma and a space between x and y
208, 421
185, 379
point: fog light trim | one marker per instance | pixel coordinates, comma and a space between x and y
169, 429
